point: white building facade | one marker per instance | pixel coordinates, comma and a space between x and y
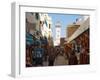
40, 22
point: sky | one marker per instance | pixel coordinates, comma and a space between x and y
65, 19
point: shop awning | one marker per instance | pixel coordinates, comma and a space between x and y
83, 27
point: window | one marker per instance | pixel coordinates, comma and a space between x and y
49, 26
37, 16
46, 23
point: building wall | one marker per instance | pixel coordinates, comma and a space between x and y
79, 40
45, 26
62, 40
81, 46
32, 24
71, 29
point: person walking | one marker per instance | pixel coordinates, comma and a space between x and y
84, 57
73, 59
51, 57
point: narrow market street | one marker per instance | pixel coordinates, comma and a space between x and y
55, 42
